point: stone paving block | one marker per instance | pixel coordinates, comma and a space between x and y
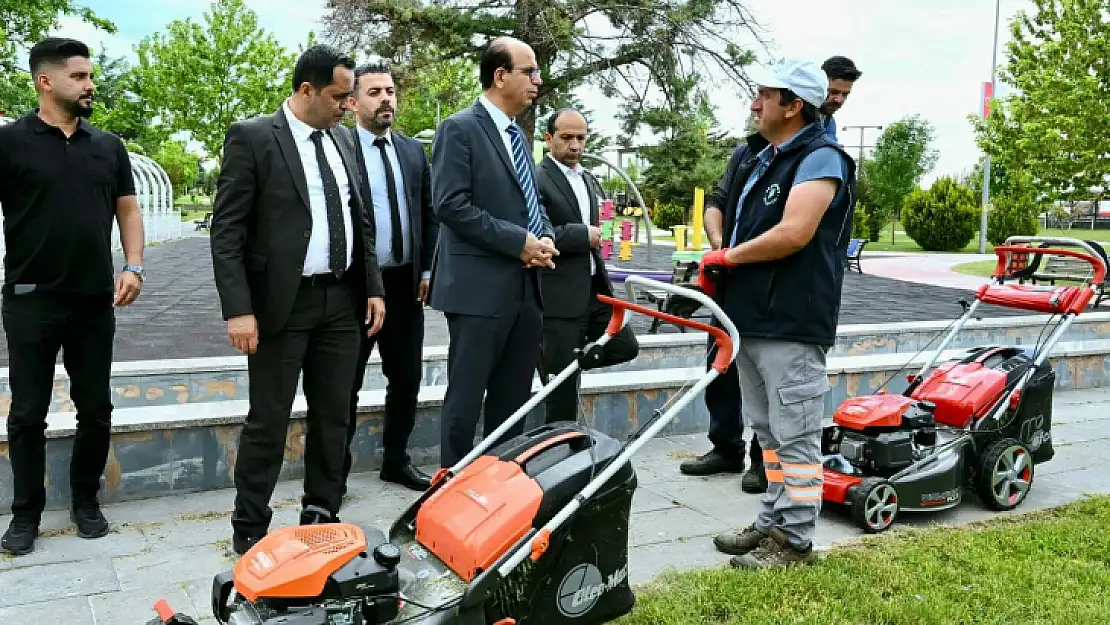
52, 582
673, 524
647, 500
55, 546
646, 562
74, 610
173, 564
135, 606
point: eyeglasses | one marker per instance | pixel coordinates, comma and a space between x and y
532, 72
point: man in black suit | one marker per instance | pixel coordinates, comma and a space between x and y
493, 236
395, 179
296, 272
572, 314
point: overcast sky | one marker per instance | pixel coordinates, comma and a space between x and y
928, 58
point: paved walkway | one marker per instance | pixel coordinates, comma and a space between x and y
178, 314
171, 547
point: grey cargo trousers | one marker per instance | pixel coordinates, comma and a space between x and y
783, 386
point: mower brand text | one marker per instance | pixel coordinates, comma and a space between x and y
589, 594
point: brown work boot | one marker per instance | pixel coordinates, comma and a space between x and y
776, 551
739, 543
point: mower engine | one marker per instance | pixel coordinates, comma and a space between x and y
333, 574
883, 434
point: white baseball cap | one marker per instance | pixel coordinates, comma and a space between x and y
804, 78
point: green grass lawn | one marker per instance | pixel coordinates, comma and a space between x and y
1043, 567
982, 268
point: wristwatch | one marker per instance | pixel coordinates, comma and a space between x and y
135, 269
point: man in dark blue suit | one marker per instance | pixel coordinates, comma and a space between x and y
494, 236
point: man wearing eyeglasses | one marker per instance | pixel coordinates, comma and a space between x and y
494, 236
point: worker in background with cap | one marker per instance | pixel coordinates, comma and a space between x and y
786, 225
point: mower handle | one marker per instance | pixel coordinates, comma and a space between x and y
1093, 257
728, 343
1094, 260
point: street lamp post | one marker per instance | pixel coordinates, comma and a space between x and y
859, 163
987, 159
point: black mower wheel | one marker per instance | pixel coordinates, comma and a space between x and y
875, 505
1004, 475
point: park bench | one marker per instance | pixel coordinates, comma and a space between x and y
854, 254
1050, 269
203, 224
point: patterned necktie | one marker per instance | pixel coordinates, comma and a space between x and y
527, 182
337, 235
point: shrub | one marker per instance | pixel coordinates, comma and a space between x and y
942, 219
860, 229
1012, 216
667, 215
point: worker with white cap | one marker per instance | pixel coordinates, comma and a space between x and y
783, 210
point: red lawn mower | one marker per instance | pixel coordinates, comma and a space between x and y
978, 422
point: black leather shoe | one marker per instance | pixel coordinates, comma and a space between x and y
89, 520
20, 538
242, 544
712, 463
755, 480
313, 515
406, 475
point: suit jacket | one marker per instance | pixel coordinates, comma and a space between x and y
416, 174
568, 289
261, 224
483, 219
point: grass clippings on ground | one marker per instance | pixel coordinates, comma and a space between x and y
1044, 567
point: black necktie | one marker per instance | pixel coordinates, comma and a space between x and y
394, 207
337, 234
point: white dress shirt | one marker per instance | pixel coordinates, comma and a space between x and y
576, 178
317, 257
502, 121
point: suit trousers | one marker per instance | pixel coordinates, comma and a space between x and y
400, 345
561, 337
37, 325
321, 338
496, 356
724, 403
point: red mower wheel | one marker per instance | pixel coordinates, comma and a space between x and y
875, 505
1005, 474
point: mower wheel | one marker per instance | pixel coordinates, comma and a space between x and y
875, 505
1004, 475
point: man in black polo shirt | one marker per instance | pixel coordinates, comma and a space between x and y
61, 184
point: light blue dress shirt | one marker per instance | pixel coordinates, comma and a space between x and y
379, 196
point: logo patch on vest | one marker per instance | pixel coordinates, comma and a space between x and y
771, 194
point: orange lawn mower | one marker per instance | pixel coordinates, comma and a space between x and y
530, 531
979, 423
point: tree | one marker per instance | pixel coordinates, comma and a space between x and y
452, 84
182, 167
903, 154
689, 155
206, 77
624, 48
1055, 126
25, 23
122, 107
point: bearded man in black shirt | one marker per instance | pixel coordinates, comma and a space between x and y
62, 183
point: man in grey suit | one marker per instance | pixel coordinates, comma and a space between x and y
573, 315
493, 237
